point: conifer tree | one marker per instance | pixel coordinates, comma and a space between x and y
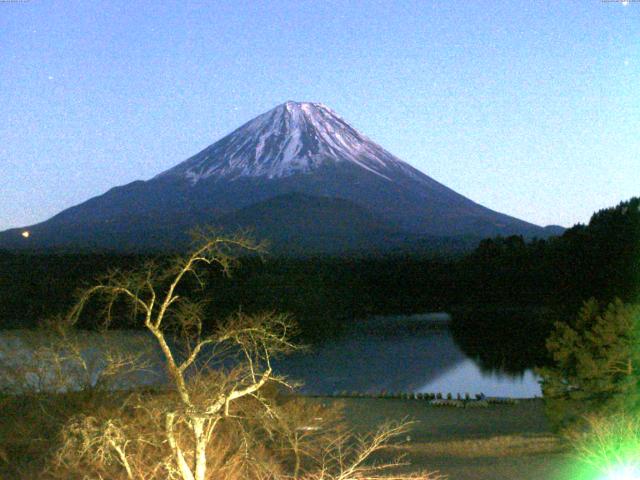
597, 364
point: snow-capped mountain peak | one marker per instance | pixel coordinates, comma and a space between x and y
297, 174
292, 138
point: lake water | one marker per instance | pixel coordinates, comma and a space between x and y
387, 358
428, 361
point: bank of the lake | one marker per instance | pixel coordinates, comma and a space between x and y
501, 442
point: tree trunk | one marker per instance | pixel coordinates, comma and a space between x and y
296, 451
201, 445
183, 467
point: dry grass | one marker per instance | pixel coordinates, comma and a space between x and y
501, 442
499, 446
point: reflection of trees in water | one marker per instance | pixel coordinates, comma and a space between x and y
503, 341
396, 360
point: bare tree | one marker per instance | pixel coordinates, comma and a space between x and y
61, 359
348, 457
218, 417
301, 430
202, 401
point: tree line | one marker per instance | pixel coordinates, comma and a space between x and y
599, 260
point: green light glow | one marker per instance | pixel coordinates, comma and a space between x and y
623, 472
607, 449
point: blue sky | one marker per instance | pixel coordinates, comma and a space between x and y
531, 108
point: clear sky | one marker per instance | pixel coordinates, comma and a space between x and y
528, 107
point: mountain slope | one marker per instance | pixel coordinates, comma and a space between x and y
295, 148
290, 139
305, 224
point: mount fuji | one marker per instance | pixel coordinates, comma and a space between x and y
298, 175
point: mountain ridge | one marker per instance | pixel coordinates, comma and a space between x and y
294, 148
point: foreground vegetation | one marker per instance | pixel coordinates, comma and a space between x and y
501, 442
596, 369
216, 416
490, 443
591, 389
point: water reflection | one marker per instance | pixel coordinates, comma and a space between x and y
504, 341
467, 377
410, 356
370, 363
424, 360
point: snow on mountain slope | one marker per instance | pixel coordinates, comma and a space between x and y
289, 139
303, 154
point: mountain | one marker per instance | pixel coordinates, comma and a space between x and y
330, 225
294, 163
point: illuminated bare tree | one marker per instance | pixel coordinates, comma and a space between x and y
217, 419
176, 324
60, 360
348, 457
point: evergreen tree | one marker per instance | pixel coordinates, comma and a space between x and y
597, 363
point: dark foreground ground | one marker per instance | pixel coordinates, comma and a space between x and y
500, 442
496, 443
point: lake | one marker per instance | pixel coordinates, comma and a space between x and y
387, 354
415, 360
